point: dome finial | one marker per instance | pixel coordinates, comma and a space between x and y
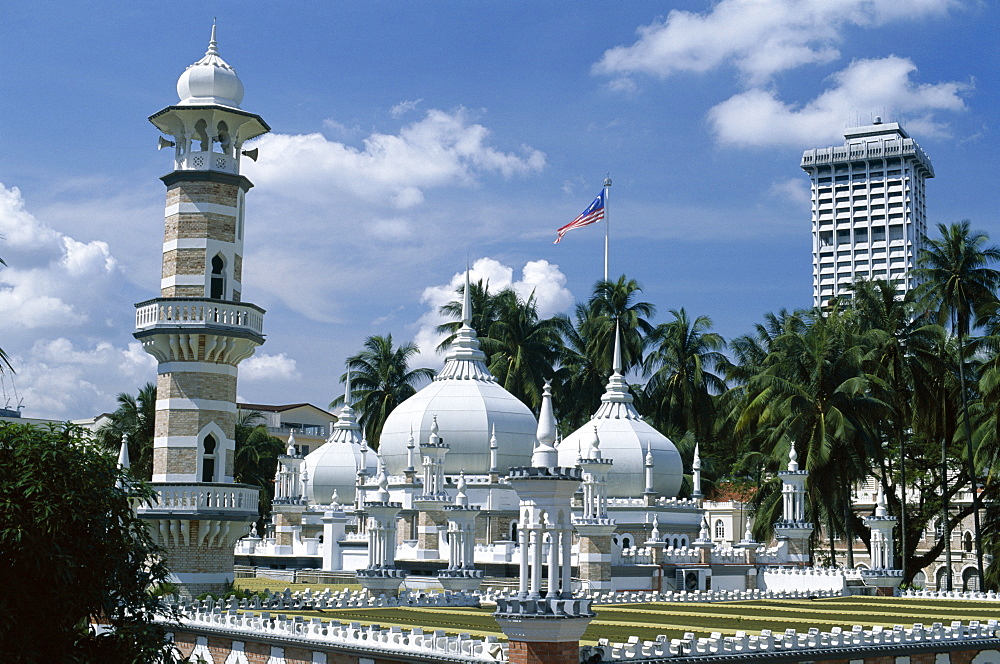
546, 432
617, 359
461, 499
213, 46
467, 299
880, 509
290, 450
793, 458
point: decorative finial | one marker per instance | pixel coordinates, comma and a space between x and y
546, 432
290, 450
880, 509
617, 359
493, 437
123, 460
747, 535
696, 464
655, 535
434, 439
793, 458
213, 46
334, 499
347, 388
649, 453
595, 446
467, 299
461, 498
253, 529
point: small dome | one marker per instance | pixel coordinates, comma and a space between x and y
210, 81
333, 466
625, 439
468, 404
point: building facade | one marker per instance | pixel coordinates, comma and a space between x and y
869, 209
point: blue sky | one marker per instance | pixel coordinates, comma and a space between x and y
409, 137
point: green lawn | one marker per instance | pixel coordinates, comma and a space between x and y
277, 585
618, 623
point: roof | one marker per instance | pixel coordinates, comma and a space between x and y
265, 408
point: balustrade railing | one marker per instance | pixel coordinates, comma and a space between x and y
202, 497
197, 312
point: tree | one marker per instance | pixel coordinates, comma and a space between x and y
381, 379
584, 375
487, 309
73, 552
256, 459
135, 419
614, 302
682, 384
961, 286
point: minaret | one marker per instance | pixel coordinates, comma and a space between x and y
381, 575
461, 573
793, 530
199, 329
544, 625
696, 475
883, 574
431, 520
595, 526
288, 503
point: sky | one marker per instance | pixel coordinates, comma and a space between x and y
411, 138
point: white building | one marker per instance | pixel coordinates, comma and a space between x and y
869, 211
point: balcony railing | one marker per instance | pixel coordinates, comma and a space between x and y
198, 497
193, 312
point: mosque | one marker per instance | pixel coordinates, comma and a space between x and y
437, 505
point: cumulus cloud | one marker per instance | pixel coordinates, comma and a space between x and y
49, 275
540, 277
63, 379
444, 148
759, 118
758, 38
794, 190
263, 366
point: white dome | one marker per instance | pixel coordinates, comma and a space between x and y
333, 466
468, 404
210, 81
625, 439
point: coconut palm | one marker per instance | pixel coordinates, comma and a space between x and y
381, 379
134, 420
579, 393
487, 308
960, 285
614, 302
682, 363
256, 457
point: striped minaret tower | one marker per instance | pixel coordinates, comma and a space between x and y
199, 329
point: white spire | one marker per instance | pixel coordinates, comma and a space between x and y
334, 498
465, 360
434, 438
213, 46
655, 535
880, 509
649, 467
494, 448
696, 472
382, 495
595, 446
616, 363
346, 428
347, 388
290, 450
123, 460
461, 498
411, 450
793, 458
545, 455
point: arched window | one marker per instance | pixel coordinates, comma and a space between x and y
224, 140
201, 135
939, 529
720, 529
942, 578
970, 579
218, 284
208, 459
626, 542
967, 541
513, 531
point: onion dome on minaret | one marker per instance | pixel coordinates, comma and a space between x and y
626, 439
468, 404
210, 81
333, 466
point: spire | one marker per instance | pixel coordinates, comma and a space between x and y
465, 360
290, 450
213, 46
467, 300
655, 534
880, 509
346, 428
793, 458
434, 438
411, 449
494, 448
696, 472
595, 446
123, 460
545, 455
616, 364
461, 499
649, 468
382, 495
347, 388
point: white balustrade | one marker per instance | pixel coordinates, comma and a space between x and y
202, 497
198, 312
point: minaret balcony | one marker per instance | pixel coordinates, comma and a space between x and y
207, 161
200, 498
199, 314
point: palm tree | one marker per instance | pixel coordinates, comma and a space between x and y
487, 309
961, 286
381, 379
614, 302
584, 374
256, 457
682, 383
134, 419
523, 349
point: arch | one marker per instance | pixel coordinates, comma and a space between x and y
513, 531
216, 469
200, 134
940, 578
720, 529
209, 451
217, 280
967, 541
225, 142
919, 579
676, 543
626, 542
684, 541
970, 579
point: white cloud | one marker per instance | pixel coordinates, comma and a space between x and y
758, 37
404, 107
442, 149
59, 378
540, 277
758, 118
263, 366
794, 190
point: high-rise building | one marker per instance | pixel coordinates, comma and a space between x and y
869, 210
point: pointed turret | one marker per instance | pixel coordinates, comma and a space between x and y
545, 455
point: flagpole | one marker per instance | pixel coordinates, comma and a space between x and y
607, 224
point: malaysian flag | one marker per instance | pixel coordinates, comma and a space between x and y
593, 214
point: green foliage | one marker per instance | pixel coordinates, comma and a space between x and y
73, 552
256, 458
134, 419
